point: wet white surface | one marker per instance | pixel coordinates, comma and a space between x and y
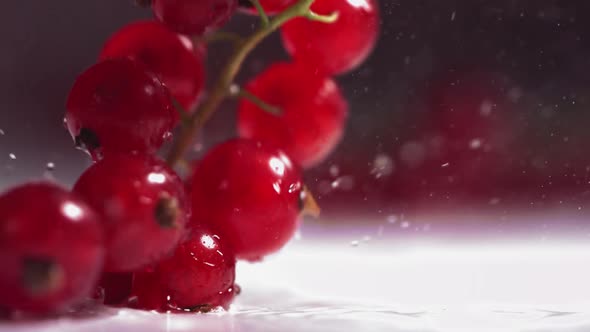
318, 285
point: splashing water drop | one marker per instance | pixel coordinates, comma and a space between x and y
392, 219
382, 166
12, 156
50, 166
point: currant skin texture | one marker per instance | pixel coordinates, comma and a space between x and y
249, 193
312, 116
142, 205
194, 17
271, 7
51, 248
172, 57
198, 276
117, 105
337, 47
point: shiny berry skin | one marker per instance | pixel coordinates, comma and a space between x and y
337, 47
115, 288
194, 17
270, 6
118, 105
170, 56
313, 112
51, 248
198, 276
142, 204
250, 193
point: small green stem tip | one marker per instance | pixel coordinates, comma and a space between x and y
310, 15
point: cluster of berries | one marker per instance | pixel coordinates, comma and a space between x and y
131, 231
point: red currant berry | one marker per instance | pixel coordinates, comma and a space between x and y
115, 287
51, 253
337, 47
198, 276
250, 193
270, 6
194, 17
312, 112
170, 56
117, 105
143, 206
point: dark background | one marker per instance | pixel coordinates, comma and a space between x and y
464, 105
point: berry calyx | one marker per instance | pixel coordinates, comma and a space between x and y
198, 276
118, 105
142, 204
193, 17
312, 115
170, 56
250, 193
337, 47
51, 255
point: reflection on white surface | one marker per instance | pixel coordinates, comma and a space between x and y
315, 286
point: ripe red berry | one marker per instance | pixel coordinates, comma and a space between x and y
142, 205
312, 112
194, 17
170, 56
199, 276
250, 193
270, 6
51, 248
117, 105
337, 47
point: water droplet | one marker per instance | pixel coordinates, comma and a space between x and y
392, 219
445, 165
354, 243
475, 144
412, 153
344, 183
486, 107
366, 238
404, 224
12, 156
167, 136
334, 170
2, 132
50, 166
494, 201
382, 166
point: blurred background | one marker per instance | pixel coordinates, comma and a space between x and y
465, 107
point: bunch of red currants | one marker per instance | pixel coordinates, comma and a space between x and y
131, 231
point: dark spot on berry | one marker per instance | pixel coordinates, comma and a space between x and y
166, 211
143, 3
41, 275
87, 140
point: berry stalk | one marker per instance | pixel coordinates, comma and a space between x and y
222, 86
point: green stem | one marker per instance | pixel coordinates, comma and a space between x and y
220, 89
263, 17
236, 91
310, 15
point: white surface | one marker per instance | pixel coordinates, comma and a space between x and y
323, 287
